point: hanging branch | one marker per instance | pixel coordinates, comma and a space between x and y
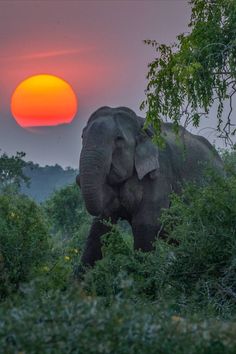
186, 79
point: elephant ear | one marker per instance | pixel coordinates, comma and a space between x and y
146, 158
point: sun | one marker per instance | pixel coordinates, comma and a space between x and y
43, 100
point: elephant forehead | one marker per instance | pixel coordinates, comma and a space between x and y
102, 124
98, 133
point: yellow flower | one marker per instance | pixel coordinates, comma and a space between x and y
14, 215
45, 268
176, 319
66, 258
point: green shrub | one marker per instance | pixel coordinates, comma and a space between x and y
171, 300
56, 272
125, 272
66, 211
69, 224
11, 171
229, 158
69, 322
23, 240
203, 219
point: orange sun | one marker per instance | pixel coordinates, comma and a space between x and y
43, 100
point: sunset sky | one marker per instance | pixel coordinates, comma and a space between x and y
96, 46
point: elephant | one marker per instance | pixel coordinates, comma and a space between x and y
124, 175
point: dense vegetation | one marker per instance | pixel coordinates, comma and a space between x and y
172, 300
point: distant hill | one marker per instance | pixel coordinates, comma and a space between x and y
45, 180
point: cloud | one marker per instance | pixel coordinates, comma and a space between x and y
42, 55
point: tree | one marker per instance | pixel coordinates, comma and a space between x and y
11, 170
24, 240
66, 210
187, 78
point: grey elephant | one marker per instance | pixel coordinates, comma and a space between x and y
124, 175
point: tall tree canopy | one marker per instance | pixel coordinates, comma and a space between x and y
11, 170
187, 78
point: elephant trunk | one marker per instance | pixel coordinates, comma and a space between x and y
94, 166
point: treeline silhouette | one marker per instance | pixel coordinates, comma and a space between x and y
45, 180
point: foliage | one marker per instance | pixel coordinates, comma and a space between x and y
187, 78
66, 211
172, 300
69, 224
123, 272
11, 170
229, 158
69, 322
203, 220
55, 272
23, 240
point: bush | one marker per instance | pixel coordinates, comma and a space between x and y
66, 211
127, 273
11, 171
69, 223
171, 300
203, 220
23, 240
69, 322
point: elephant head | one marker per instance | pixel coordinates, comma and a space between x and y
114, 148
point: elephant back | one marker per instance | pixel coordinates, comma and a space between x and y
190, 154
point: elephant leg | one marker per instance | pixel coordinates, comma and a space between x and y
92, 251
144, 236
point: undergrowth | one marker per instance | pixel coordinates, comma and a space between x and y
171, 300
